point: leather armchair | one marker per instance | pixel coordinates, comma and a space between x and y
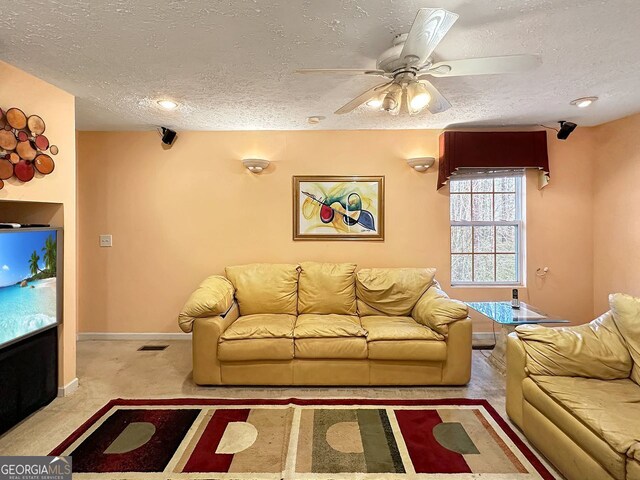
574, 392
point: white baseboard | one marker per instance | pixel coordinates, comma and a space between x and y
133, 336
68, 389
479, 338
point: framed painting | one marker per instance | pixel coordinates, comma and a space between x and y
338, 208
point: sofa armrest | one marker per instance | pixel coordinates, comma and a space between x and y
516, 373
437, 311
206, 333
213, 297
593, 350
456, 369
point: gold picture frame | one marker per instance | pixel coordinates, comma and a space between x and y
329, 207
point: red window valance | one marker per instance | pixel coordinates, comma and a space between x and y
490, 151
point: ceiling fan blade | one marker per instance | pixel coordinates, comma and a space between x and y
342, 71
427, 31
438, 102
360, 99
485, 66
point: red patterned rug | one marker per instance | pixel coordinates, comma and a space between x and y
299, 439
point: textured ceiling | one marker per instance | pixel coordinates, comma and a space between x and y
230, 63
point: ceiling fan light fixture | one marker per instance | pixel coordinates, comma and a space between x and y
391, 101
583, 102
418, 97
375, 102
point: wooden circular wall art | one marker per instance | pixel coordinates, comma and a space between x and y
24, 149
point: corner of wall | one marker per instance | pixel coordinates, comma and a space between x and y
616, 240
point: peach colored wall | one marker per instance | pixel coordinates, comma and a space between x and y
57, 108
616, 210
179, 215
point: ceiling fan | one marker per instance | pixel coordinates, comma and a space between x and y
408, 64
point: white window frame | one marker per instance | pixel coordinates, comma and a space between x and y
519, 223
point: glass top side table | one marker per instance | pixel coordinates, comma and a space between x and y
508, 319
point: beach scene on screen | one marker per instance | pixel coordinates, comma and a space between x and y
28, 282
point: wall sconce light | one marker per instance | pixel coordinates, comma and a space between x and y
421, 164
255, 165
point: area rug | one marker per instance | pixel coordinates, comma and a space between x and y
299, 439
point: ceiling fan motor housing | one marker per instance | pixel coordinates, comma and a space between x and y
389, 60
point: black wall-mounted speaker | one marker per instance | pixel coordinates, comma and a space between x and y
565, 129
168, 135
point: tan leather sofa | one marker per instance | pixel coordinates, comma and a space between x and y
325, 324
575, 392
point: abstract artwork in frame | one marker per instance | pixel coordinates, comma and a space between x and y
338, 208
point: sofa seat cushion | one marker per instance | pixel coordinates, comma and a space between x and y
258, 337
262, 325
265, 288
549, 425
402, 338
328, 326
327, 288
610, 408
329, 336
396, 328
334, 348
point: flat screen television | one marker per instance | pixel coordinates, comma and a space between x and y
30, 282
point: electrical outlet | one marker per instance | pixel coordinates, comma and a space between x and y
106, 241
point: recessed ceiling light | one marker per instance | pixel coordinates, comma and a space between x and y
167, 104
583, 102
315, 119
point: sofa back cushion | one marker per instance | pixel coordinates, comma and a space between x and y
326, 288
265, 288
391, 291
626, 313
593, 350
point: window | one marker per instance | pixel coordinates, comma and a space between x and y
487, 229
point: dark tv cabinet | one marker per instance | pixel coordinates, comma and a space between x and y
28, 376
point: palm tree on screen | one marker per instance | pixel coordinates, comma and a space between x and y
33, 263
49, 251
